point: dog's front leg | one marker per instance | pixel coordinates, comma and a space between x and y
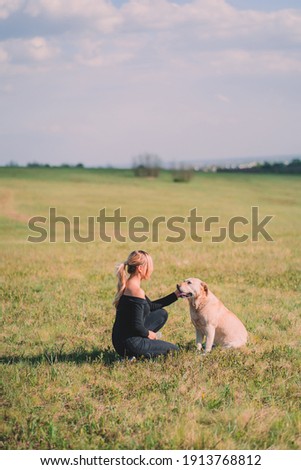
199, 339
210, 333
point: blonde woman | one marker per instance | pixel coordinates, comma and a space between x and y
137, 318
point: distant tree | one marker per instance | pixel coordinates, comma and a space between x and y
294, 162
266, 166
182, 174
12, 163
278, 167
37, 165
147, 165
80, 165
294, 166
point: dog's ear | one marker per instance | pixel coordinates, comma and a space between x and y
203, 284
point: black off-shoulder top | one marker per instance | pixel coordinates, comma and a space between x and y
131, 313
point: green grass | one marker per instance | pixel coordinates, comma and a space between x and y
63, 386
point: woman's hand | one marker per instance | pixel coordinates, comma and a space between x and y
152, 335
181, 294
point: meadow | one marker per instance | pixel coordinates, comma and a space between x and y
62, 384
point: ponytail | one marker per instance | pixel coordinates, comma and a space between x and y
136, 258
122, 277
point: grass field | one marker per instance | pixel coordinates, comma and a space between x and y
63, 386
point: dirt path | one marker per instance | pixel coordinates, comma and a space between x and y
7, 206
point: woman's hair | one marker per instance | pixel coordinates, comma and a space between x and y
136, 258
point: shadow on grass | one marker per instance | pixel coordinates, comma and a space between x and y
53, 356
104, 356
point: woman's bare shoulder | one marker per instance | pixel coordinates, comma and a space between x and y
135, 292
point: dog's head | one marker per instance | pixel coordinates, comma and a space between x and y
193, 288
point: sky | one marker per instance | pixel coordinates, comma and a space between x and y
100, 82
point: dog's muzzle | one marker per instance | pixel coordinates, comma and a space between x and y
184, 294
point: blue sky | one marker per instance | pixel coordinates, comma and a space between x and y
100, 82
265, 5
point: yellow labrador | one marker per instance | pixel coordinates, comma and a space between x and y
211, 318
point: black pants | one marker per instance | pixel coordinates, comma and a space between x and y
139, 346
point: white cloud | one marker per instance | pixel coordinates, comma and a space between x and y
209, 19
28, 51
155, 14
7, 7
106, 53
163, 13
101, 13
3, 55
90, 52
159, 74
39, 49
207, 37
166, 30
290, 21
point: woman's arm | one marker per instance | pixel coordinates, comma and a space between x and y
160, 303
135, 317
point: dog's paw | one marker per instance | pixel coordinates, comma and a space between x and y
206, 353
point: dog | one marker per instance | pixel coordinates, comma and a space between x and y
211, 318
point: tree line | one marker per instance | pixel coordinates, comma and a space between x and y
293, 167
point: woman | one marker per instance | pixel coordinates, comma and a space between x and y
137, 318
